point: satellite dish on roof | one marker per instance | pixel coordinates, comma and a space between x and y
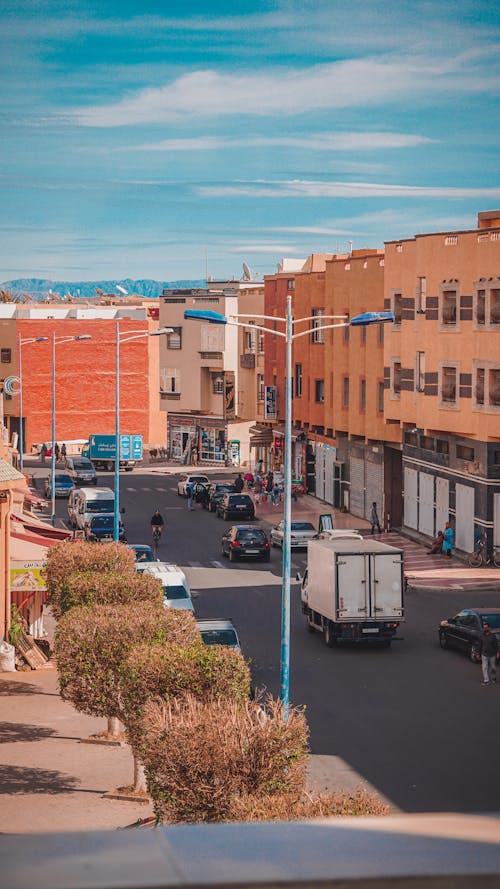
122, 290
247, 275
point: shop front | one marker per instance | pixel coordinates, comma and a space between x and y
196, 438
298, 456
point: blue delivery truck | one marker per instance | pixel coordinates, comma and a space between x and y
101, 449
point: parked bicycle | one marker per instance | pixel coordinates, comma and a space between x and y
480, 558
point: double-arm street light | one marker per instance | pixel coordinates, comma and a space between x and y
288, 334
125, 336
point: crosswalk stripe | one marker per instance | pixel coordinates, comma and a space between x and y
216, 564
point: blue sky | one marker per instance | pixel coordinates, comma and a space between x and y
160, 139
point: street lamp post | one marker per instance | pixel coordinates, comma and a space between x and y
362, 320
21, 343
57, 341
128, 336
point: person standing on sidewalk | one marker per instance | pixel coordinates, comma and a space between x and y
488, 649
447, 540
189, 495
374, 520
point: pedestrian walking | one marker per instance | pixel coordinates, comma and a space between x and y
57, 451
63, 451
488, 649
239, 483
374, 520
190, 494
276, 494
258, 467
447, 540
269, 482
43, 453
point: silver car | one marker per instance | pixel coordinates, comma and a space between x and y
81, 470
300, 534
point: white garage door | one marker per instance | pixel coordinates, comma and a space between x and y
426, 504
442, 503
329, 457
464, 511
320, 471
410, 498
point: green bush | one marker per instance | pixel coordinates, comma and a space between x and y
72, 557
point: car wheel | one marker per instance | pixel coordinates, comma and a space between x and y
328, 636
474, 654
224, 553
232, 556
443, 641
266, 557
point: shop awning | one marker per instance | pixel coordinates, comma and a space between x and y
29, 495
26, 524
279, 432
260, 436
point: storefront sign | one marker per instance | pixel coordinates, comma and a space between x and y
27, 576
270, 403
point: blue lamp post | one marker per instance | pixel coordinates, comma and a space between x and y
362, 320
21, 343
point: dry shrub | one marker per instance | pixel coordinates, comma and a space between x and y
69, 557
286, 807
92, 644
113, 588
202, 757
173, 671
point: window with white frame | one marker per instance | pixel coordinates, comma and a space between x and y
448, 305
448, 377
218, 385
395, 378
318, 335
486, 385
260, 387
396, 307
298, 380
486, 304
170, 380
420, 372
421, 294
260, 339
250, 339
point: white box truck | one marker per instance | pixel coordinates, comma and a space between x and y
353, 590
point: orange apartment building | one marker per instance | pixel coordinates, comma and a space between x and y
442, 377
85, 371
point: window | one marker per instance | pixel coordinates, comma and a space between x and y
465, 453
345, 392
496, 458
481, 307
442, 446
260, 338
363, 334
218, 385
494, 388
397, 298
421, 294
381, 334
362, 395
250, 341
479, 393
346, 329
426, 442
486, 304
449, 306
290, 284
420, 372
319, 391
396, 378
212, 338
448, 384
331, 388
486, 385
318, 335
298, 380
6, 356
174, 339
260, 387
380, 398
495, 306
170, 381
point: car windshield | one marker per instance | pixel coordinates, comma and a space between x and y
199, 479
492, 619
63, 479
250, 534
82, 464
100, 506
175, 592
103, 522
219, 637
302, 526
224, 489
241, 498
144, 555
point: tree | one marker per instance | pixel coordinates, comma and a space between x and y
70, 557
114, 588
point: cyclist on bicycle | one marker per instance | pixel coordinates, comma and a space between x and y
157, 523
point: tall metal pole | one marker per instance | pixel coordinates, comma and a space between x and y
287, 515
116, 526
20, 350
53, 455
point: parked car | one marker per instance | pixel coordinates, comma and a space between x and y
216, 493
176, 592
235, 505
143, 554
101, 527
463, 630
300, 534
63, 485
246, 540
81, 470
194, 478
219, 632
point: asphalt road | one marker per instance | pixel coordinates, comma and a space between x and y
413, 720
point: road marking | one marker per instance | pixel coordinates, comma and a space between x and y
216, 564
195, 564
130, 489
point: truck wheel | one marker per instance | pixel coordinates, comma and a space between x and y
310, 627
328, 635
110, 465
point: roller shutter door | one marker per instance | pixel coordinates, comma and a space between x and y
374, 484
357, 496
329, 462
442, 503
464, 517
320, 471
410, 498
426, 503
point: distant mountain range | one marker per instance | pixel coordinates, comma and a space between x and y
42, 288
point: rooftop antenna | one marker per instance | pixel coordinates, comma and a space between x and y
122, 290
350, 247
247, 275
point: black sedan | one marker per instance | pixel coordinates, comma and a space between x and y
235, 505
216, 493
246, 540
464, 630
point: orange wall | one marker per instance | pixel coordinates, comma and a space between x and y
85, 380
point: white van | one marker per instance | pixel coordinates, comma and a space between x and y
84, 503
176, 592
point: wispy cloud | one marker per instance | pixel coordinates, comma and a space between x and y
347, 141
322, 189
357, 82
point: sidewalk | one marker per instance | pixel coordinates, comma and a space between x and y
49, 781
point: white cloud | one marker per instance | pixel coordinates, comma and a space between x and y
262, 248
321, 189
341, 141
352, 83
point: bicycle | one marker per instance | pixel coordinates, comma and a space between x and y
156, 538
480, 558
